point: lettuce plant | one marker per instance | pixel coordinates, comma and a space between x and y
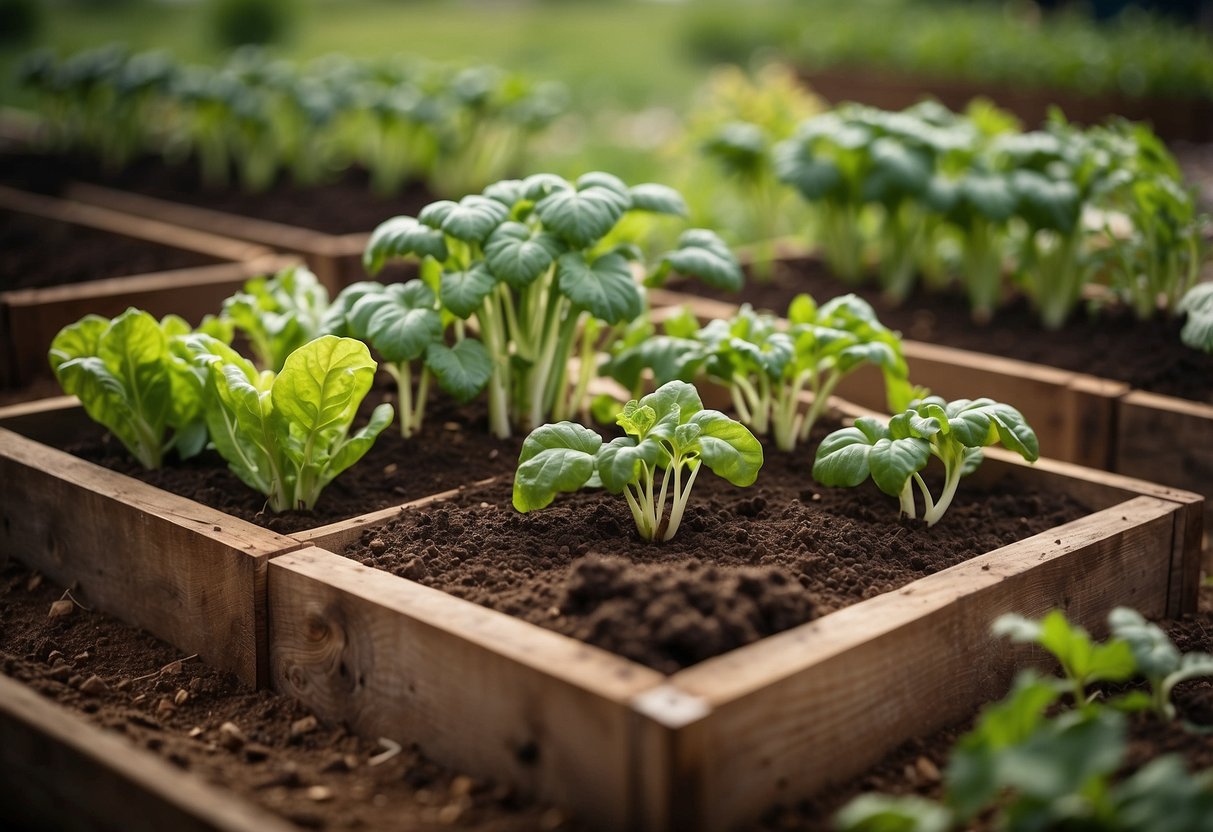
668, 431
287, 435
1156, 657
530, 264
129, 379
278, 313
403, 323
894, 453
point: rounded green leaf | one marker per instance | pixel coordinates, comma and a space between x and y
620, 461
584, 216
605, 287
400, 321
660, 199
400, 237
78, 340
473, 218
727, 447
555, 458
463, 292
893, 461
702, 254
842, 458
462, 370
982, 422
519, 255
322, 383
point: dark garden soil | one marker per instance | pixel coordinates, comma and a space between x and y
1115, 345
454, 448
344, 205
915, 767
37, 252
746, 563
318, 776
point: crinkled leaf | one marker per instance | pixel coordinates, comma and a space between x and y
583, 216
322, 384
519, 255
604, 287
463, 292
400, 237
702, 254
462, 370
473, 218
400, 321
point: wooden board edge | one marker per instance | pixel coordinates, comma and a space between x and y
69, 759
1171, 404
730, 677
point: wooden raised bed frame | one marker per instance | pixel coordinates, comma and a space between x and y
622, 745
336, 259
61, 772
30, 318
188, 574
1079, 418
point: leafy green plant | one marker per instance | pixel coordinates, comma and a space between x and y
668, 431
1197, 305
279, 313
404, 324
530, 262
1156, 657
1023, 769
894, 453
767, 364
128, 378
287, 435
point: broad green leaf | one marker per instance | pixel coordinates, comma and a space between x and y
1197, 304
322, 384
135, 349
1083, 660
1064, 755
400, 321
659, 199
843, 458
356, 446
702, 254
619, 462
462, 370
982, 422
676, 399
884, 813
815, 177
727, 447
1163, 797
669, 359
400, 237
473, 218
583, 216
1155, 654
508, 192
518, 255
893, 461
604, 287
540, 185
463, 292
78, 340
555, 458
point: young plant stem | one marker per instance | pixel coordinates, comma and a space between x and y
953, 461
983, 270
822, 390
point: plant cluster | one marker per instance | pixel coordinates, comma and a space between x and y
969, 197
1026, 766
454, 129
1136, 54
894, 453
767, 363
533, 268
668, 431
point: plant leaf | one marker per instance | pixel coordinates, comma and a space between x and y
555, 458
463, 292
462, 370
518, 255
400, 321
727, 447
604, 287
322, 383
400, 237
583, 216
702, 254
660, 199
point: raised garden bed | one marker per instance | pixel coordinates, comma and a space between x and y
1082, 412
72, 259
327, 225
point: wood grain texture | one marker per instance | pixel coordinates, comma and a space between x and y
1168, 440
474, 688
189, 574
33, 317
1073, 414
62, 773
819, 703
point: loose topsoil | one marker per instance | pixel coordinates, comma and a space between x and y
315, 775
36, 253
453, 448
346, 204
1110, 344
915, 767
745, 564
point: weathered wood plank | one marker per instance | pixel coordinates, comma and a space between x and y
63, 773
187, 573
819, 703
1167, 439
475, 688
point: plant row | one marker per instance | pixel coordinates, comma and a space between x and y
1051, 755
257, 119
1059, 214
515, 284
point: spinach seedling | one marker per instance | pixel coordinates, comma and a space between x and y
288, 435
404, 324
668, 431
893, 454
128, 378
278, 313
1157, 657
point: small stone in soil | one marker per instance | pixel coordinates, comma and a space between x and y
61, 608
319, 793
449, 815
195, 732
35, 581
462, 786
303, 726
94, 685
181, 696
54, 656
231, 737
164, 706
927, 769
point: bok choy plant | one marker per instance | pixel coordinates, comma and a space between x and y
278, 313
894, 454
129, 379
529, 262
404, 325
670, 437
287, 435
